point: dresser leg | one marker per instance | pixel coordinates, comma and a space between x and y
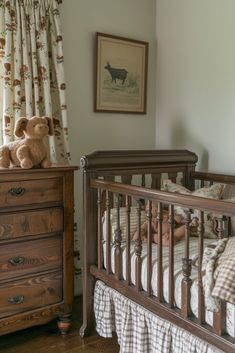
64, 323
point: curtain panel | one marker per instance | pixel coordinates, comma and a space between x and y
32, 80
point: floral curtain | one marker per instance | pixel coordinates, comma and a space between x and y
32, 78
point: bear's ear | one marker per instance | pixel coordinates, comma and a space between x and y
20, 127
50, 124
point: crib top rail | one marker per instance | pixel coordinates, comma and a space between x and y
187, 201
213, 177
129, 159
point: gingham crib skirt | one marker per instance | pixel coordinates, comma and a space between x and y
138, 330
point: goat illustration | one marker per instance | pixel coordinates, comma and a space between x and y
115, 73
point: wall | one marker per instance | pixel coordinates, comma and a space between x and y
196, 79
88, 130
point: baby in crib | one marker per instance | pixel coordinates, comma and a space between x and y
179, 227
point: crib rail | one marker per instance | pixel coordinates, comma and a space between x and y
157, 303
213, 177
102, 192
186, 201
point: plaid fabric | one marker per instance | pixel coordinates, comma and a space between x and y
138, 330
210, 258
225, 274
219, 279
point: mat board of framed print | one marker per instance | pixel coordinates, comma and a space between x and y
121, 74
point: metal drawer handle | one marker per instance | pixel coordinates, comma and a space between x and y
16, 191
17, 260
18, 299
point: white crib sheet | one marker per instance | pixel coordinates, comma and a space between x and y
178, 255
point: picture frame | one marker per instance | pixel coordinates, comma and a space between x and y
121, 74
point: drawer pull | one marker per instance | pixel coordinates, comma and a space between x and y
18, 299
16, 191
17, 260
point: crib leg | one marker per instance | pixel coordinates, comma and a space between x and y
88, 312
89, 254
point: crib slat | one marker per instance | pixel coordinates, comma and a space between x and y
187, 233
186, 268
138, 250
172, 176
128, 241
117, 243
159, 255
100, 235
156, 181
108, 234
149, 249
111, 198
143, 180
220, 227
125, 179
171, 256
201, 303
219, 319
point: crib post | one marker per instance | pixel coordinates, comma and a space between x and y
89, 253
189, 182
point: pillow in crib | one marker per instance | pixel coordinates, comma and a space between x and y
168, 185
113, 221
214, 191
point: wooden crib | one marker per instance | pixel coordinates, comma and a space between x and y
107, 183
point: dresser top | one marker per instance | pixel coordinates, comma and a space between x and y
53, 168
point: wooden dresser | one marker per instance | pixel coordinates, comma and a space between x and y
36, 246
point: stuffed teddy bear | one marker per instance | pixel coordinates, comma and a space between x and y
29, 151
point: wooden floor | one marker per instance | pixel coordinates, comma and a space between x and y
46, 339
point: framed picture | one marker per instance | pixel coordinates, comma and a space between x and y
121, 74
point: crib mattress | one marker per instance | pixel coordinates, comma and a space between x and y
178, 276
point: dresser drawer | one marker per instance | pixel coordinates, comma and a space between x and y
14, 225
27, 192
30, 293
30, 256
